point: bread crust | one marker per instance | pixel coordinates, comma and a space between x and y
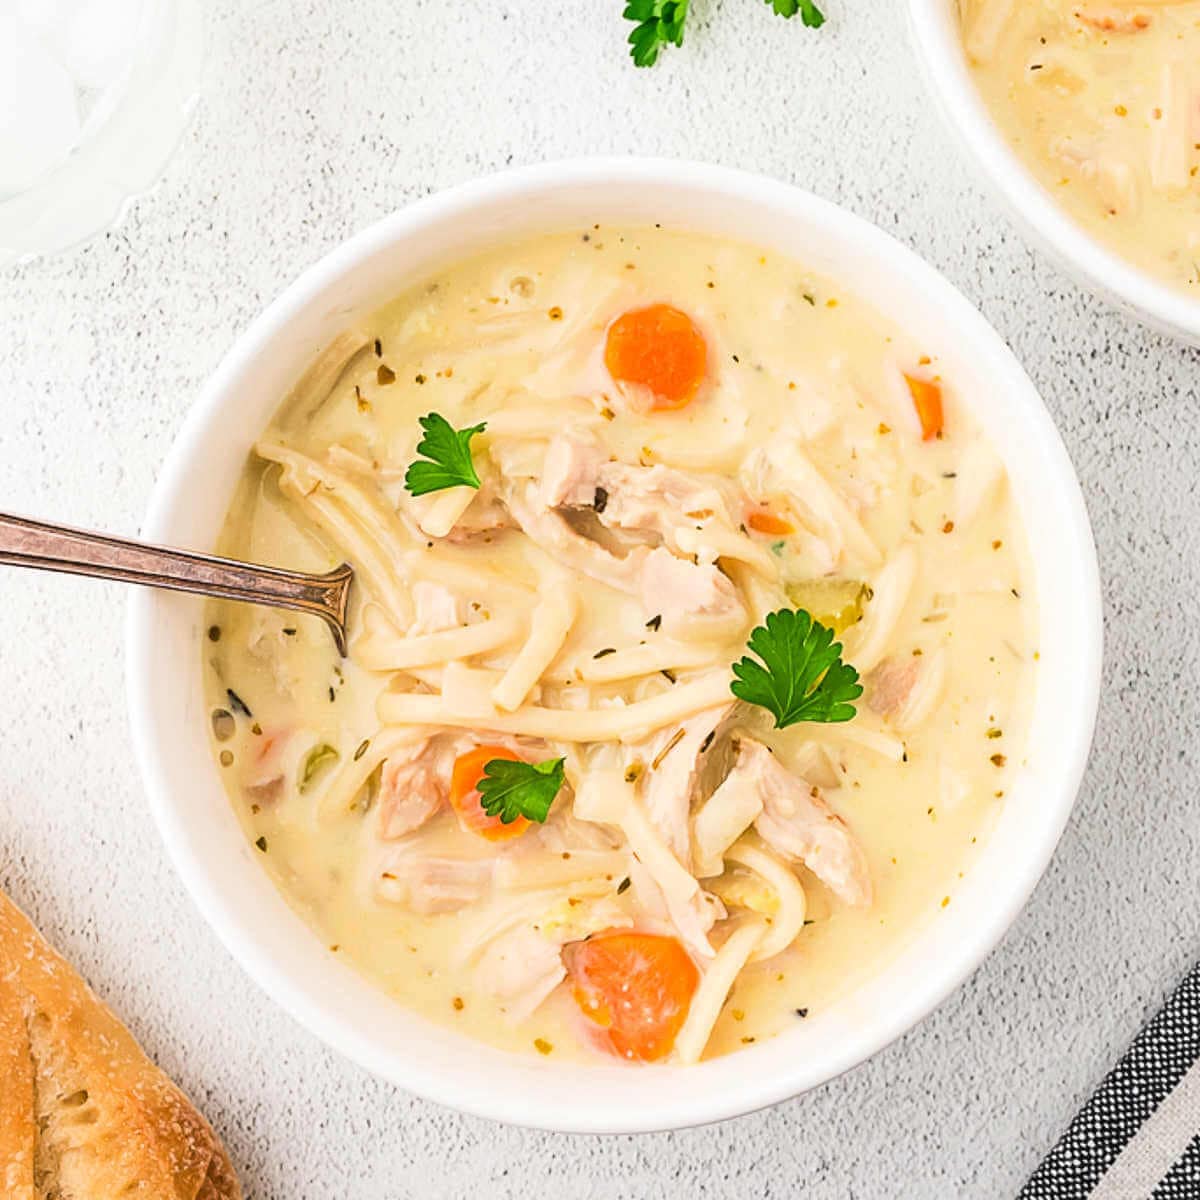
84, 1114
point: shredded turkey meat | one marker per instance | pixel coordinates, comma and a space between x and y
672, 762
796, 821
430, 883
413, 785
691, 598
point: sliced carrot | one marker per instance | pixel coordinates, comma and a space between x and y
636, 986
658, 348
767, 522
464, 795
927, 400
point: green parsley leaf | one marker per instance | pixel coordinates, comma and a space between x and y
810, 14
449, 453
659, 23
801, 676
509, 790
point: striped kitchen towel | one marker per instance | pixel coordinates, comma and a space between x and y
1138, 1137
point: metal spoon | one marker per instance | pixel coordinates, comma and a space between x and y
26, 543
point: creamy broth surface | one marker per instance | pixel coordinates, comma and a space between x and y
1101, 99
614, 562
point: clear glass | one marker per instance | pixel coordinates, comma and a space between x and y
94, 95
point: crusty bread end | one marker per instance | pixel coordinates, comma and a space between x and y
84, 1114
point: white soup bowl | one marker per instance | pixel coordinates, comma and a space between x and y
165, 634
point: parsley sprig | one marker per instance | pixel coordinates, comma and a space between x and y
659, 23
801, 675
810, 14
446, 458
509, 789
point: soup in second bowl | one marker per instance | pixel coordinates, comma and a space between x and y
692, 655
1102, 101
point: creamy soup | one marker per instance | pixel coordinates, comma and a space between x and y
579, 479
1102, 101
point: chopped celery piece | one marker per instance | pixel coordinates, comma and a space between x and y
315, 761
836, 603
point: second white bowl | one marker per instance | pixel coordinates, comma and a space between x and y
938, 45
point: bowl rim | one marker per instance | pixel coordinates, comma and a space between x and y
1087, 259
753, 1089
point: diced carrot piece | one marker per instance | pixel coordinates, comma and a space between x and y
927, 400
464, 795
660, 349
767, 522
636, 986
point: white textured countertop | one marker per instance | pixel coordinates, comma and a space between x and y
317, 118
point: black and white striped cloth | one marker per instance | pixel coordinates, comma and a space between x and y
1138, 1137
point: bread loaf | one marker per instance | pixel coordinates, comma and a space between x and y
84, 1114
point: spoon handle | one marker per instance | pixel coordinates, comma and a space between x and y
46, 547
